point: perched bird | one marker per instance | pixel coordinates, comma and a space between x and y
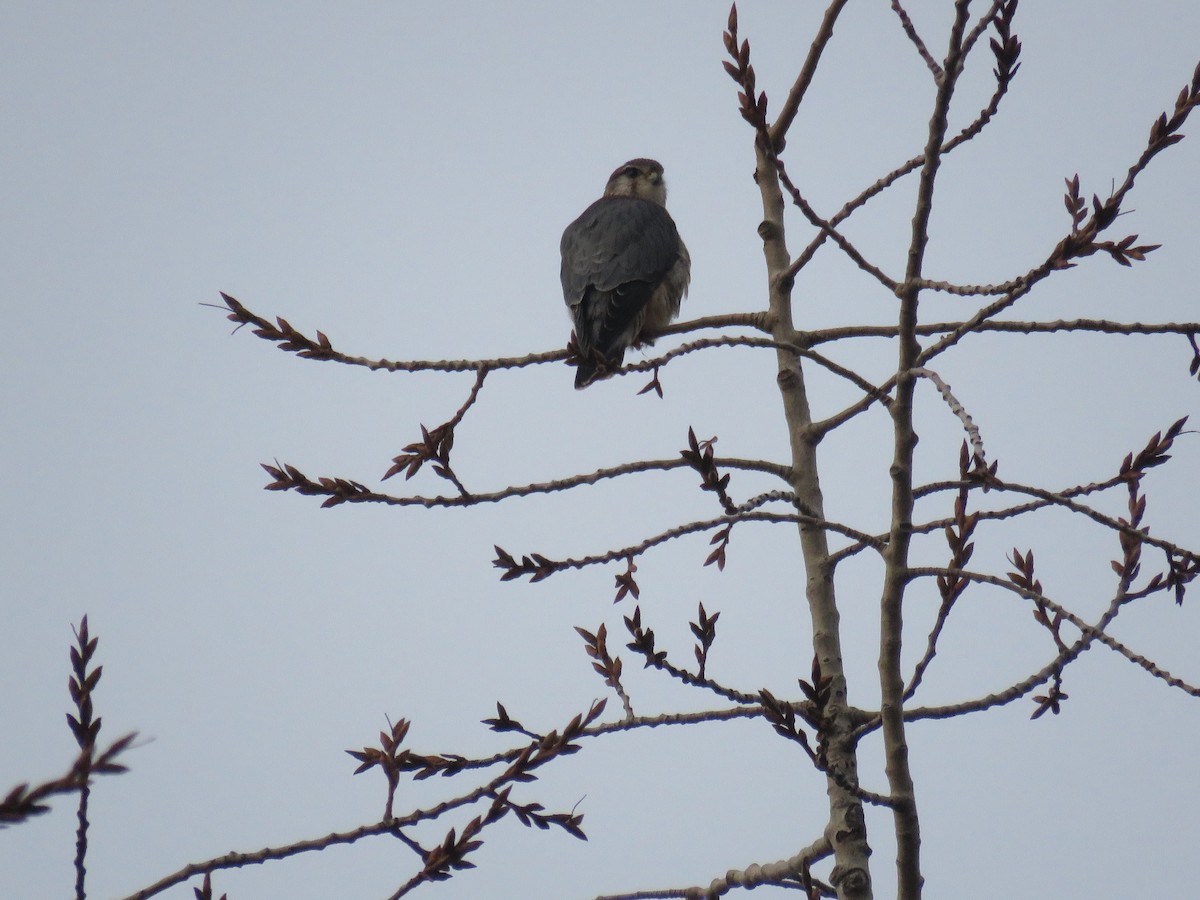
624, 269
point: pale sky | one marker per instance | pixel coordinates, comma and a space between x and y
397, 176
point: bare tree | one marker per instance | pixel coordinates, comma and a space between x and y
973, 501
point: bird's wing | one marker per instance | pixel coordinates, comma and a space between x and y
615, 241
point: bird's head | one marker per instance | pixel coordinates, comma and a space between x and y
638, 178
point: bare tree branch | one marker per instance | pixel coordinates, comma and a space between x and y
846, 829
1021, 688
787, 114
831, 231
537, 567
534, 755
289, 478
1084, 628
784, 873
958, 409
796, 348
1007, 50
1101, 326
891, 680
911, 32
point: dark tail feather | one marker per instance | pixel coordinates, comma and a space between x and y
597, 368
585, 375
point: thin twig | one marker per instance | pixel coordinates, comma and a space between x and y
958, 409
1016, 691
911, 31
841, 371
829, 229
984, 22
1006, 69
288, 477
539, 567
1102, 636
787, 113
1102, 326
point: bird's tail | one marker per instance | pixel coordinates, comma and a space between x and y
597, 368
589, 372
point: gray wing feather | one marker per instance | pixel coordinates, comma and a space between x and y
616, 240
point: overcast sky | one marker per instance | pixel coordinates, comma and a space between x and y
397, 176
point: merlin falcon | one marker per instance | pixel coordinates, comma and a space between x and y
624, 269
